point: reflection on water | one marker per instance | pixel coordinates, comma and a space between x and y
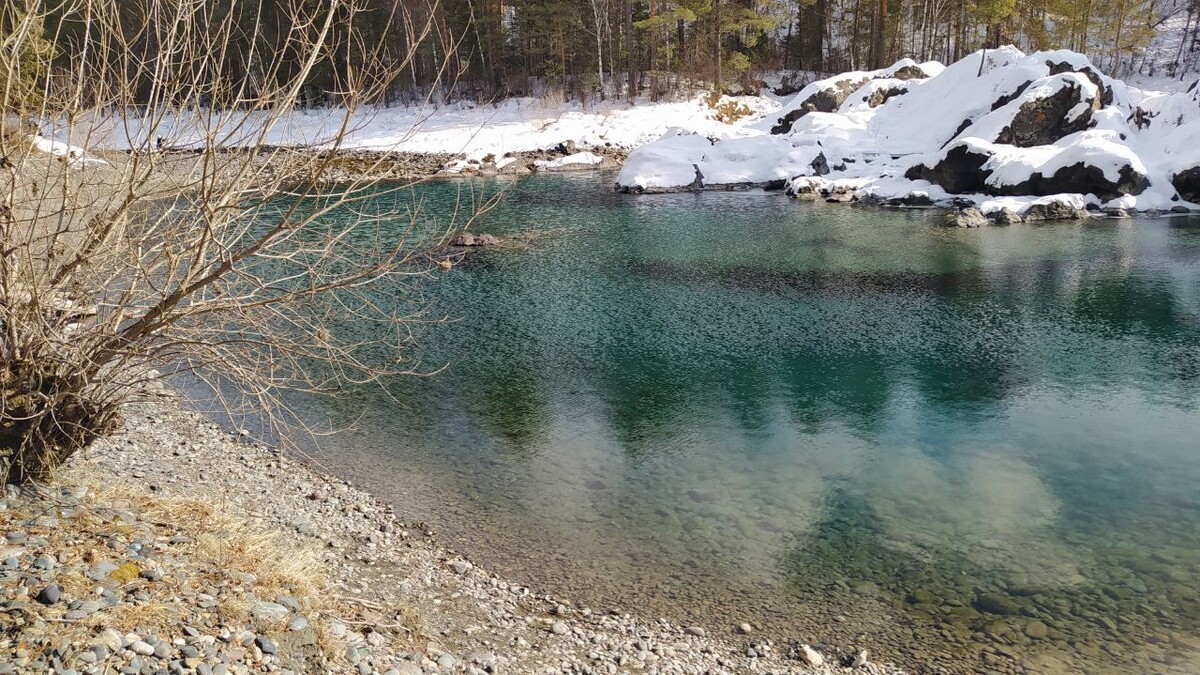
829, 421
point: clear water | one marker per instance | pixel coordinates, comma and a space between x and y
847, 426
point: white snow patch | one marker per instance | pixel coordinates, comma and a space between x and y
577, 159
73, 153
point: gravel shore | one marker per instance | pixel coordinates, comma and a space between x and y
175, 547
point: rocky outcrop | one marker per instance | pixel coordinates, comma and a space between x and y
1187, 183
1046, 119
908, 72
883, 94
1106, 91
826, 99
964, 170
959, 172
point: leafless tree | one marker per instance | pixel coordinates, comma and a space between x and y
208, 246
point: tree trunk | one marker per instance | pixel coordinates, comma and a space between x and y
629, 48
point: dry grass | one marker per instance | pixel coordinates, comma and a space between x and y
222, 548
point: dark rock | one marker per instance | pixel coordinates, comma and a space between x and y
1106, 92
1187, 183
826, 100
1009, 97
961, 171
1044, 121
820, 165
790, 85
50, 595
910, 199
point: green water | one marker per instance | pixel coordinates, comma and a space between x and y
958, 448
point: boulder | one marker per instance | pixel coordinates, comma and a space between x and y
1081, 178
1106, 91
1050, 114
1055, 210
1004, 216
960, 170
996, 603
883, 94
820, 165
909, 72
907, 69
827, 97
968, 217
1187, 183
968, 167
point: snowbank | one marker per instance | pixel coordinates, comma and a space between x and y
579, 159
695, 162
1006, 131
72, 153
474, 131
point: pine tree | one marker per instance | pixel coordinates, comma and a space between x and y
25, 56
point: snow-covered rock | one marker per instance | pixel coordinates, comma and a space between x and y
821, 96
1043, 135
1042, 112
1084, 163
691, 162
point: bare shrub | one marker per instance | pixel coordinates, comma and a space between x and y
206, 247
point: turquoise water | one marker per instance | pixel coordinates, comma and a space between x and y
958, 448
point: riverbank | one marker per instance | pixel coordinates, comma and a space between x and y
174, 546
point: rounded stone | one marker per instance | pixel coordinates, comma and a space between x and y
50, 595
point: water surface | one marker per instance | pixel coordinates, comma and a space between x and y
959, 448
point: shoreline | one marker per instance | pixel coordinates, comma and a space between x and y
352, 164
418, 607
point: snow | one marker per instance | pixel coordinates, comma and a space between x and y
577, 159
73, 153
682, 144
682, 159
474, 131
968, 103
